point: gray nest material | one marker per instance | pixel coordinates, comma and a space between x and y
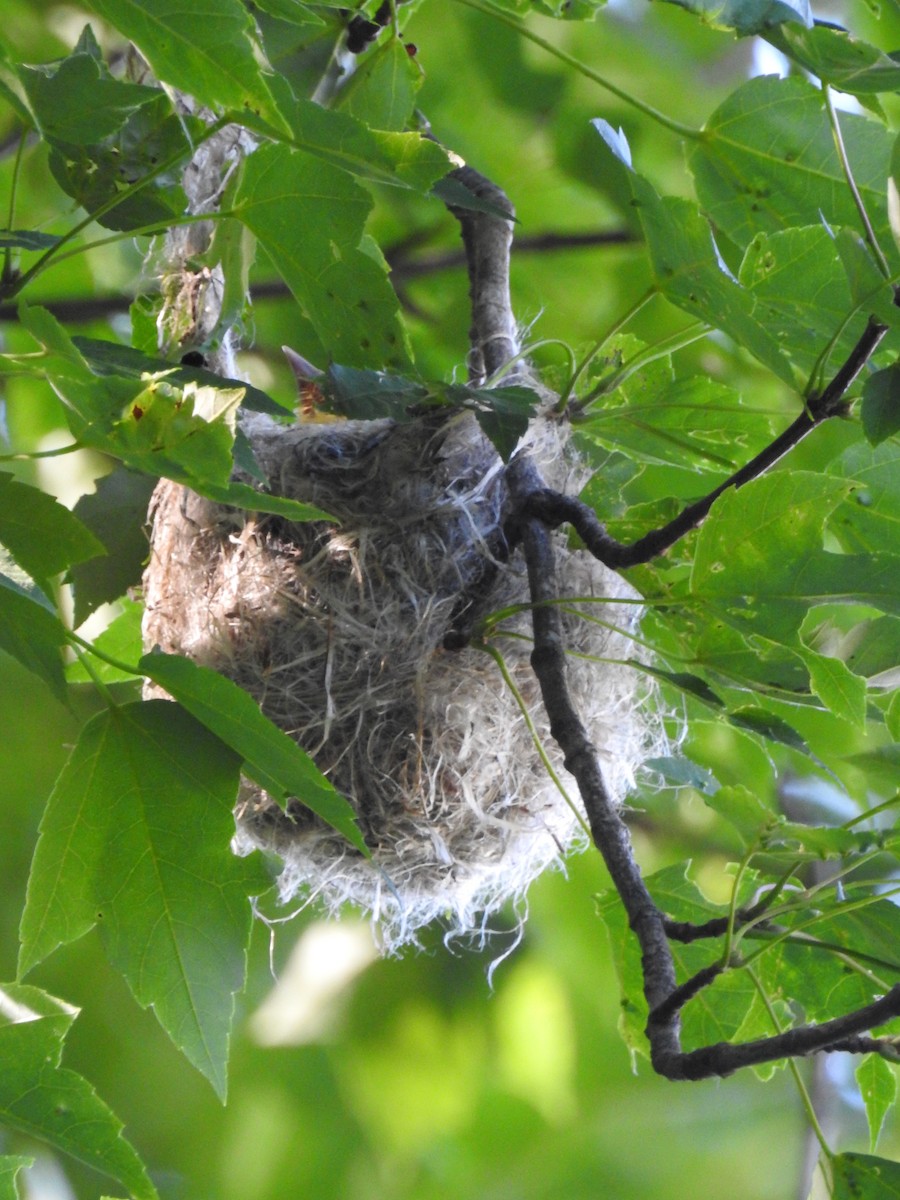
338, 630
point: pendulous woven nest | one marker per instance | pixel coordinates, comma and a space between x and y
338, 629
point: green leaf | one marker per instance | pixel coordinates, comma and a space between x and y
43, 1100
135, 839
870, 932
340, 140
242, 495
691, 685
693, 422
10, 1166
187, 433
864, 1177
121, 639
836, 57
114, 359
96, 174
309, 217
877, 1082
872, 649
757, 539
502, 412
843, 692
690, 271
766, 161
206, 52
678, 897
370, 395
42, 535
77, 102
801, 284
767, 725
32, 634
116, 513
681, 772
869, 521
270, 757
880, 408
743, 809
382, 90
747, 17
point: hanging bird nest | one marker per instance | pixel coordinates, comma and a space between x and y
340, 631
347, 632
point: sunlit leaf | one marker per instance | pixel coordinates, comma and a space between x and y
41, 1099
766, 161
115, 359
877, 1082
121, 640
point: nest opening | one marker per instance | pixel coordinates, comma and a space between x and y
340, 631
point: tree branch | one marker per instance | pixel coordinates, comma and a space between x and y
487, 240
665, 997
534, 508
554, 508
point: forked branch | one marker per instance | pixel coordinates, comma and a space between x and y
535, 509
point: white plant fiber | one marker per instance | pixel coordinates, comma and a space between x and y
338, 631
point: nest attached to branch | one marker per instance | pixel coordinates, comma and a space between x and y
339, 630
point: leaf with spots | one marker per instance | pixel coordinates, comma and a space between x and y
766, 161
309, 216
688, 267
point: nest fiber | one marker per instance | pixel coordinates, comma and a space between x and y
338, 630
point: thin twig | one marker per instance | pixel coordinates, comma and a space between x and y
553, 508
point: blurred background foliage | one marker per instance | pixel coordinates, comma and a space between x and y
419, 1078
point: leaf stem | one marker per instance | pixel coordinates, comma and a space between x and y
160, 169
505, 18
6, 277
80, 645
532, 729
851, 183
795, 1071
615, 328
661, 349
85, 661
